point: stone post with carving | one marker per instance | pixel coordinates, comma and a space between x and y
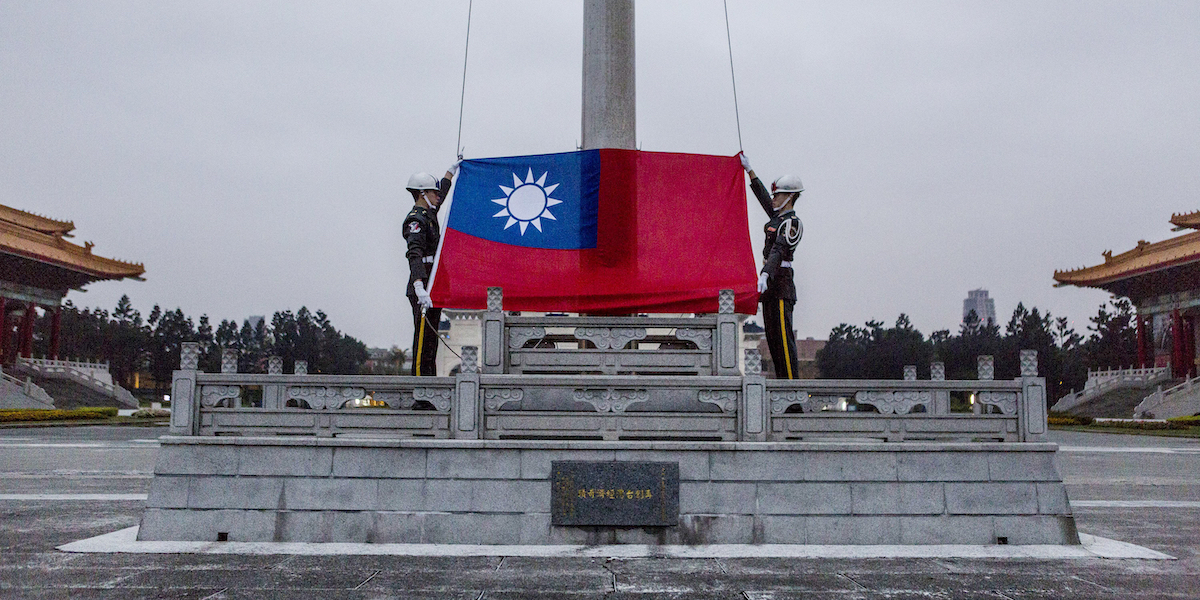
941, 398
727, 337
754, 410
466, 408
273, 392
985, 370
1032, 408
493, 332
185, 406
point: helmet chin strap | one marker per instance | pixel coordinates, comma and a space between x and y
430, 205
789, 202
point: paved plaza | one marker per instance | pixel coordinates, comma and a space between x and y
63, 484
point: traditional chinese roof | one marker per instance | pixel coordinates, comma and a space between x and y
1186, 220
1149, 268
33, 252
35, 222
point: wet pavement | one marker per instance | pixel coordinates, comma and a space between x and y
1119, 481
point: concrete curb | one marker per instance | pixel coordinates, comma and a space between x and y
1093, 547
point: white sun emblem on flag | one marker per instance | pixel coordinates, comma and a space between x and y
527, 202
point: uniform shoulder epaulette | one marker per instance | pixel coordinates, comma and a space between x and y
413, 222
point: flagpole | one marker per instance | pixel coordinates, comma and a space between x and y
609, 116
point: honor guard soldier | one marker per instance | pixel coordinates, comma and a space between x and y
422, 233
777, 291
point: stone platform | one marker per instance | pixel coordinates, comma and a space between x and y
342, 489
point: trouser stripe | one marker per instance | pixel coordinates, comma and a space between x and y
420, 344
783, 332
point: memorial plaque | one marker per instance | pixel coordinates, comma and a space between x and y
614, 494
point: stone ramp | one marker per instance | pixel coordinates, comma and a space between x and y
67, 394
18, 394
1117, 403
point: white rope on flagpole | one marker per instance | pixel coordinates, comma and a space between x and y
458, 149
729, 40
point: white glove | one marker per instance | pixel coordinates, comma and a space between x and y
453, 170
745, 161
762, 282
423, 298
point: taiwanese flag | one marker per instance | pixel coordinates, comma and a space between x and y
598, 231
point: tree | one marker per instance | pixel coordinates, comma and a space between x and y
171, 329
1113, 343
127, 342
875, 352
131, 345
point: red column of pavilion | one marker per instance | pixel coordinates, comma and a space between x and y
26, 347
4, 331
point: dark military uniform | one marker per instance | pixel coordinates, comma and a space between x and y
784, 231
423, 234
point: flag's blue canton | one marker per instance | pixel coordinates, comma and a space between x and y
573, 226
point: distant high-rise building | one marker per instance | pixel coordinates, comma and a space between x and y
984, 307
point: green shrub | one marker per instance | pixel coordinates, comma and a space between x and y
54, 414
151, 413
1146, 425
1192, 421
1063, 418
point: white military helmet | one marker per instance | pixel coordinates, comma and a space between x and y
421, 181
788, 184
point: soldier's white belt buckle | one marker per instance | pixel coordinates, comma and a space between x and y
787, 264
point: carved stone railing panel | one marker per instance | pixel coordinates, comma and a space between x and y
611, 400
439, 397
324, 397
898, 402
910, 372
397, 400
496, 398
1005, 402
212, 395
781, 401
300, 368
610, 338
229, 360
701, 337
726, 400
518, 336
275, 365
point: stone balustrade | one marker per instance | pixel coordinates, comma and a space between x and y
712, 400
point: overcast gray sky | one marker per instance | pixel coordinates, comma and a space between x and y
253, 154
